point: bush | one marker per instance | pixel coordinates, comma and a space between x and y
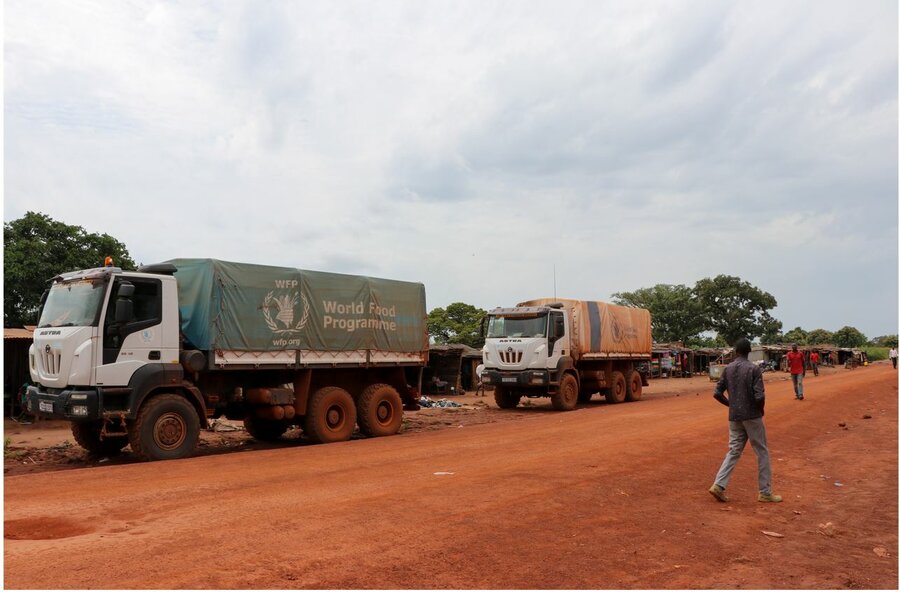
876, 353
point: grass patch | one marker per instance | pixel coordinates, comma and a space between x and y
876, 353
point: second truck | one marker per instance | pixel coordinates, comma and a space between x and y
567, 350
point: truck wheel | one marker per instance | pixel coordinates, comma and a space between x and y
616, 392
264, 430
379, 410
505, 398
167, 427
635, 387
330, 415
87, 434
567, 395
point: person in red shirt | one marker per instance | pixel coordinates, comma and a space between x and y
797, 364
814, 361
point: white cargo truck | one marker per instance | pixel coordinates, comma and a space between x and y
147, 357
566, 350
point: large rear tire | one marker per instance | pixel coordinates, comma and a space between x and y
617, 389
379, 410
505, 398
167, 427
264, 430
330, 415
634, 388
87, 434
567, 396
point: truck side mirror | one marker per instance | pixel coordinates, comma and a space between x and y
124, 310
126, 290
124, 305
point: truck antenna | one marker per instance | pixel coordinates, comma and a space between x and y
554, 281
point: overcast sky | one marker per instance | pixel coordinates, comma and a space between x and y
472, 146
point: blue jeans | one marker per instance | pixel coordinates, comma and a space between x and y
738, 434
798, 385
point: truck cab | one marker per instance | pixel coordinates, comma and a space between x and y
527, 352
105, 340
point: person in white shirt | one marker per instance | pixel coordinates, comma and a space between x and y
479, 370
893, 356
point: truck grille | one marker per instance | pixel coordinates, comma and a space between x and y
510, 357
50, 363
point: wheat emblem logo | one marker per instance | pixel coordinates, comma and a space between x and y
284, 305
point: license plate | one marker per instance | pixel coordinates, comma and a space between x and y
45, 406
509, 379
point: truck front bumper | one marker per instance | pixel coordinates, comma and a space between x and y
66, 404
520, 379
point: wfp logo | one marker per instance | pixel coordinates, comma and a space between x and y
621, 333
284, 305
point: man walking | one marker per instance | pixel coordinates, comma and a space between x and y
798, 370
893, 356
814, 361
746, 399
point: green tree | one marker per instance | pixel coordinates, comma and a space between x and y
37, 248
734, 308
796, 335
674, 311
458, 323
703, 341
819, 336
884, 341
849, 337
772, 334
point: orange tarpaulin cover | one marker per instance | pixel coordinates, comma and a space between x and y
603, 328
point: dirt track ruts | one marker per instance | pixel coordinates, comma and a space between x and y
607, 496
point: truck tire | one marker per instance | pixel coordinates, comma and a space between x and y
87, 434
505, 398
264, 430
567, 395
634, 387
167, 427
379, 410
330, 415
617, 389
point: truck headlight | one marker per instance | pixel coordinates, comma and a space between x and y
80, 410
537, 378
485, 378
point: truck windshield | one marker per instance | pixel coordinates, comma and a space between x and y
517, 326
73, 304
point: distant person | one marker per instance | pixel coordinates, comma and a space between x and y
814, 362
893, 355
745, 401
479, 370
797, 366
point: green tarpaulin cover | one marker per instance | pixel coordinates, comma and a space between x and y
240, 306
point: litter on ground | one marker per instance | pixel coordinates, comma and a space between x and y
427, 402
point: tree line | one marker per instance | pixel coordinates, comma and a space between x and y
714, 312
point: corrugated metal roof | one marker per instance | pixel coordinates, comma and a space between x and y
16, 333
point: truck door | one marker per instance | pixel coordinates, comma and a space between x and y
134, 341
558, 341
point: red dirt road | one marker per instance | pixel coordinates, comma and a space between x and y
601, 497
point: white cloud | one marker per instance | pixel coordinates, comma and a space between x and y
475, 145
